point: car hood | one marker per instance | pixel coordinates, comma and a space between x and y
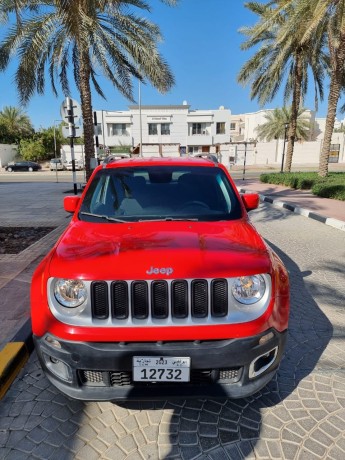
149, 250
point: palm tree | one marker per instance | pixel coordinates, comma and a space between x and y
277, 122
98, 36
277, 119
329, 15
277, 61
16, 124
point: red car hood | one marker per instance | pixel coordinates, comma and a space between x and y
148, 250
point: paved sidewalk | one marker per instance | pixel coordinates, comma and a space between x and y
325, 210
46, 209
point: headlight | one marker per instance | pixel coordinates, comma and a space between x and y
70, 293
249, 289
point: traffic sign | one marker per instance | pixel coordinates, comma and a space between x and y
76, 110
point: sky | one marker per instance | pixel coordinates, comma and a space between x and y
202, 47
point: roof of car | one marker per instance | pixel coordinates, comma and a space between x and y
159, 161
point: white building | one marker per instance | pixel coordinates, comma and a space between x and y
170, 130
166, 129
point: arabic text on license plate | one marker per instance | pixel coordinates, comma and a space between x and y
161, 369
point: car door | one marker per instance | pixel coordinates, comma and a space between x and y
21, 166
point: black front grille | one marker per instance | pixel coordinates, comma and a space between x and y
99, 299
119, 299
199, 298
124, 378
179, 299
160, 299
140, 300
219, 297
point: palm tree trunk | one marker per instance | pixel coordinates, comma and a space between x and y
86, 104
334, 93
296, 98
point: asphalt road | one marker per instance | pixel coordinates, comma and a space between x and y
299, 415
41, 176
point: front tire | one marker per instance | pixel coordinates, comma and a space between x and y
30, 169
9, 169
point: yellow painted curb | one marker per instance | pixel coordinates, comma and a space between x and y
12, 358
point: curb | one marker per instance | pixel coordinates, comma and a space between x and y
338, 224
14, 355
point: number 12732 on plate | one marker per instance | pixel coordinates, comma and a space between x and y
161, 369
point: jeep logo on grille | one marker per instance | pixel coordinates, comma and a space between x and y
157, 271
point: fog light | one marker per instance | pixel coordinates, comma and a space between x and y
266, 338
58, 368
53, 342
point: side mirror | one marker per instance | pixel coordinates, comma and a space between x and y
70, 203
250, 200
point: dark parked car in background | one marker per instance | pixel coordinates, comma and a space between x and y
23, 166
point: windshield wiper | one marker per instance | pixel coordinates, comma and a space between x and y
169, 219
102, 216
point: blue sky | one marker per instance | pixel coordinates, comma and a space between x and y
201, 45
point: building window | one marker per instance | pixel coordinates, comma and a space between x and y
118, 129
193, 149
153, 131
99, 129
232, 126
196, 128
165, 129
220, 129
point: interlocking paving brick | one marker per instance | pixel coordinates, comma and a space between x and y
168, 452
151, 433
218, 454
99, 446
107, 418
127, 444
50, 424
207, 443
108, 436
88, 452
87, 433
206, 429
135, 456
44, 451
188, 439
37, 435
190, 452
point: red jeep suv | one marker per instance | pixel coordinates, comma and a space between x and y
160, 287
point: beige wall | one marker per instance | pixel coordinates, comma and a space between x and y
270, 153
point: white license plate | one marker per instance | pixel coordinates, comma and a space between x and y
161, 369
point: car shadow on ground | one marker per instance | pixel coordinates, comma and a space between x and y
37, 421
206, 427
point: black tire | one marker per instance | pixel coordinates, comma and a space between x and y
30, 169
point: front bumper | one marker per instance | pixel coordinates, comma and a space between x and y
233, 368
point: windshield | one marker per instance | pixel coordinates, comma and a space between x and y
160, 193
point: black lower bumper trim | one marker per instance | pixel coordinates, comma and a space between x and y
102, 360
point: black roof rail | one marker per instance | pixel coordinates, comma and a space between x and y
208, 156
114, 157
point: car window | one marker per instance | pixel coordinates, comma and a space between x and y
199, 193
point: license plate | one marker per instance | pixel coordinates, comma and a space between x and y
161, 369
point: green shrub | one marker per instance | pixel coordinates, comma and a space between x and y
332, 186
325, 190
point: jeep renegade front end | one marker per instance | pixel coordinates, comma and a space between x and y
159, 287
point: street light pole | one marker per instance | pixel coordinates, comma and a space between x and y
283, 156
